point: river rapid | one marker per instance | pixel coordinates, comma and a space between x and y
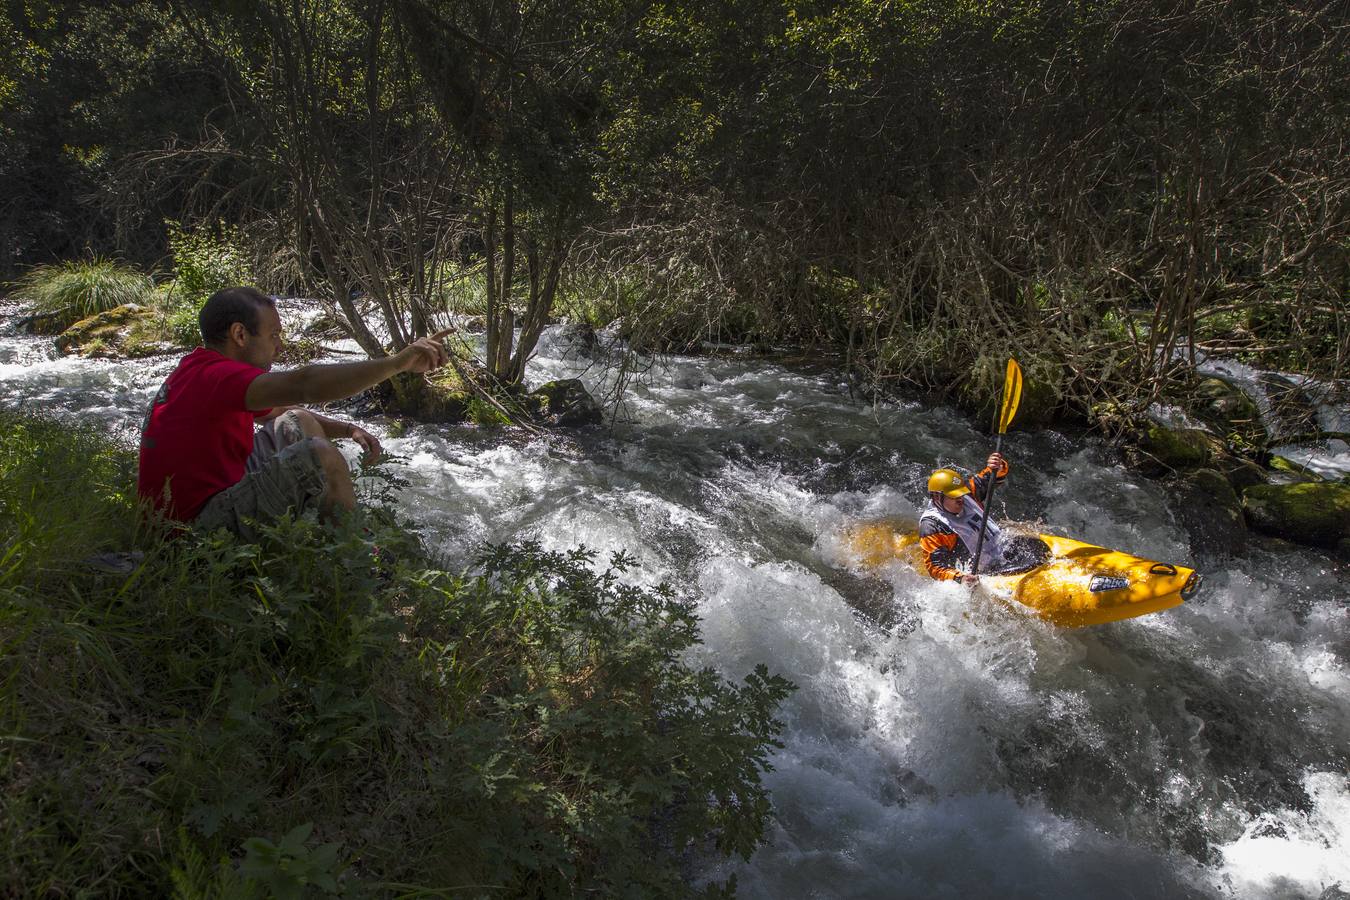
937, 746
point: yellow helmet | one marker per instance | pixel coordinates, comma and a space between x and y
947, 482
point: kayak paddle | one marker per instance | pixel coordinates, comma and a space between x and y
1012, 395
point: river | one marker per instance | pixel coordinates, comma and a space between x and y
937, 746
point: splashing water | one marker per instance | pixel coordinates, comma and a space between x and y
937, 745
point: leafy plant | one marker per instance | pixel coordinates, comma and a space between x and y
204, 261
532, 724
287, 868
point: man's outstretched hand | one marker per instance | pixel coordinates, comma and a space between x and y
426, 354
369, 444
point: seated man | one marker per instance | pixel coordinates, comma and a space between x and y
949, 526
201, 460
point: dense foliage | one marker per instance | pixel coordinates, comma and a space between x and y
1100, 188
321, 714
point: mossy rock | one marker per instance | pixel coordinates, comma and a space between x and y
1176, 449
414, 396
1210, 511
1293, 470
1041, 403
1317, 514
447, 406
565, 402
122, 332
1228, 410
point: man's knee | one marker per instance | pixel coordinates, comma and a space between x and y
295, 425
330, 458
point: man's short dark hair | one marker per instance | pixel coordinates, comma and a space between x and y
227, 306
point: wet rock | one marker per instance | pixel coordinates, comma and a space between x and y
1161, 449
1229, 411
1241, 473
1311, 513
1210, 511
122, 332
45, 323
579, 338
565, 402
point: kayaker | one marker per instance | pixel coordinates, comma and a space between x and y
201, 459
949, 526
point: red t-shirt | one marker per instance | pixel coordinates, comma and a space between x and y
198, 435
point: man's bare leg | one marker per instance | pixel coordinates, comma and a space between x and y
339, 494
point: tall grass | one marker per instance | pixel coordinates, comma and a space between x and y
304, 717
81, 288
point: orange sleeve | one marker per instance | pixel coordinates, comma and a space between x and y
980, 483
939, 549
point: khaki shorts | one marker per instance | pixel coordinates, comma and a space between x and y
283, 476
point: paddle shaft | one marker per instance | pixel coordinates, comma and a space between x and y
984, 519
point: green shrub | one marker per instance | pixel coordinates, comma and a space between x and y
182, 325
80, 289
236, 719
204, 261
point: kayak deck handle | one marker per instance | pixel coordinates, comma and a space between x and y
1162, 569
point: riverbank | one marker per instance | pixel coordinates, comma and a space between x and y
333, 711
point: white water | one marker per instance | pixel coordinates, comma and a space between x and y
1330, 460
936, 747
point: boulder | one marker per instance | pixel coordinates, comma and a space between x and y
1210, 511
47, 324
1241, 473
1314, 513
565, 402
124, 331
1228, 410
425, 400
1041, 402
1161, 449
447, 407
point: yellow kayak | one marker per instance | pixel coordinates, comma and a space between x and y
1072, 584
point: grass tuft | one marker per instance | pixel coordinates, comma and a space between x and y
82, 288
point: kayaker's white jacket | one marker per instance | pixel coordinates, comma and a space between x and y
948, 539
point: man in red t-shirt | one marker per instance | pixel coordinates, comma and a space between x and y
202, 460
